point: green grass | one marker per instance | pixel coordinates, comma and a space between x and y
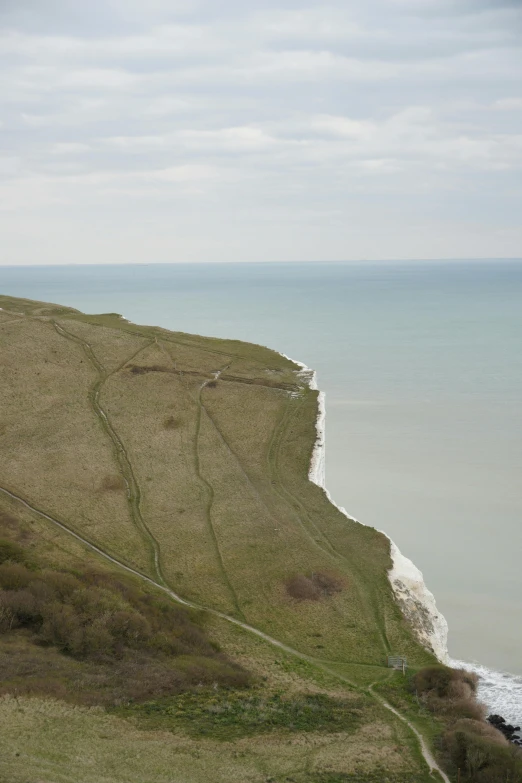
381, 775
217, 505
227, 715
398, 691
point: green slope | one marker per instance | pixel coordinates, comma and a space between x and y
185, 459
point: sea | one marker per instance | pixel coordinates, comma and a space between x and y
421, 363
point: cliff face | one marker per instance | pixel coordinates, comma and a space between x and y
417, 603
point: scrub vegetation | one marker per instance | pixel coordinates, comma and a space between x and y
468, 746
134, 643
140, 468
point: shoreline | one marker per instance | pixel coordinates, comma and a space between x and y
411, 593
500, 691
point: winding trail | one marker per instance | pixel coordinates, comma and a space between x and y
133, 489
209, 490
426, 753
12, 321
134, 497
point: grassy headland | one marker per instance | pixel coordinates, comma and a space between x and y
183, 460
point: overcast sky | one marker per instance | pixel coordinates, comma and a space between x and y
252, 130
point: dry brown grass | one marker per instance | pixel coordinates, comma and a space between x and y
170, 423
141, 369
313, 587
112, 483
53, 451
102, 747
302, 588
111, 347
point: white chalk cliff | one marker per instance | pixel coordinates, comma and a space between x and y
417, 603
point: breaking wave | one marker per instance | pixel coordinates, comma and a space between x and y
501, 692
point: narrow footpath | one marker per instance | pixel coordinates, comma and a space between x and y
426, 753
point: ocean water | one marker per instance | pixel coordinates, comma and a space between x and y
422, 368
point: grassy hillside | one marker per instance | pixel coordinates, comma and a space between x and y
185, 460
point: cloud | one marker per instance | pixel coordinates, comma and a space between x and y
185, 174
508, 104
279, 112
69, 148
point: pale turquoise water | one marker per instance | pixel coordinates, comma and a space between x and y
422, 366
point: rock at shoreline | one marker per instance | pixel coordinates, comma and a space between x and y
511, 733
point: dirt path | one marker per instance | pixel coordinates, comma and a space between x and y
133, 488
426, 753
209, 492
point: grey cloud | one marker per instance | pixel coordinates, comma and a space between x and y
261, 111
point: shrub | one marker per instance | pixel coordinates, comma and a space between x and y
482, 729
95, 640
482, 759
14, 576
130, 628
327, 583
7, 618
23, 606
41, 590
61, 628
133, 644
449, 692
62, 584
433, 679
112, 483
456, 708
302, 588
314, 587
11, 551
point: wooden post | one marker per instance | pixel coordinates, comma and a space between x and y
458, 775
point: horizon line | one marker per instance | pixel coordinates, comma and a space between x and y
465, 259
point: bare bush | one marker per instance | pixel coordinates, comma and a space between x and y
456, 708
14, 576
109, 625
11, 551
481, 757
137, 369
482, 729
433, 679
112, 483
327, 583
314, 587
302, 588
23, 606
